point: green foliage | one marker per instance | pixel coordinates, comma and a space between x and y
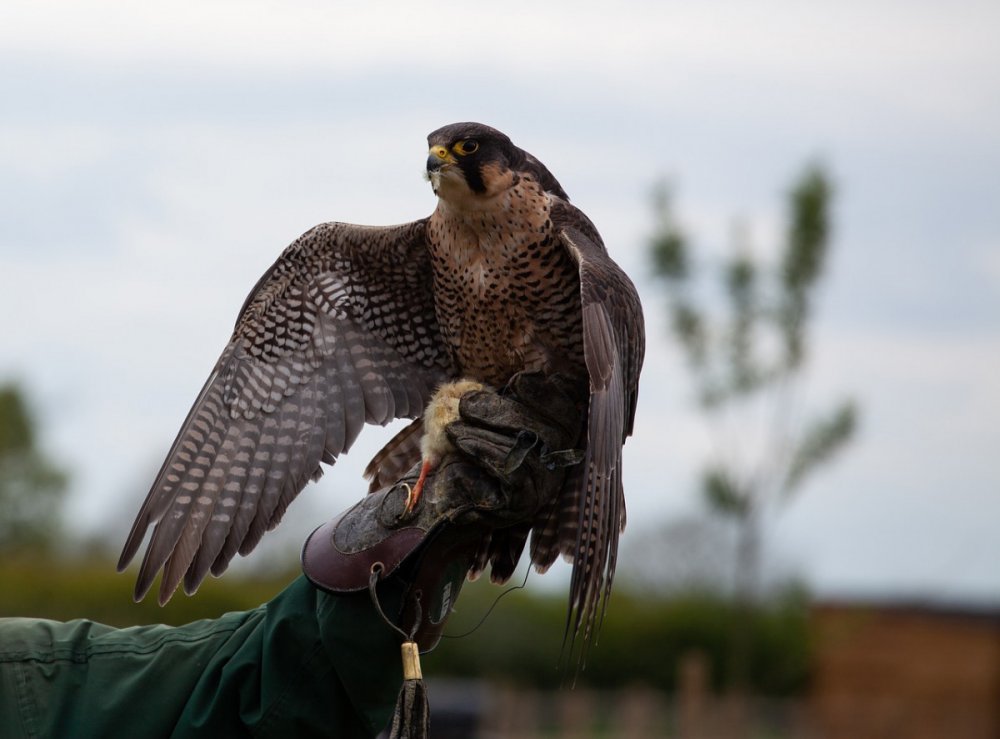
740, 276
642, 641
63, 590
804, 258
723, 493
31, 486
809, 231
690, 330
819, 443
668, 248
16, 430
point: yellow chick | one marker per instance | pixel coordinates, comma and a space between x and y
434, 444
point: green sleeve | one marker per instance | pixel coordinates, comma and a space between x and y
304, 664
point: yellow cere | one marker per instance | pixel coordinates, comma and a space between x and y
443, 154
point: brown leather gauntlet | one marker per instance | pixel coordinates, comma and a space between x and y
510, 453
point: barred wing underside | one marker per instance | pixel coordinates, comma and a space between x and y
341, 331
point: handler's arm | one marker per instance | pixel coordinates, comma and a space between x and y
307, 662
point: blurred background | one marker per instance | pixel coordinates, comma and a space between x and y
808, 199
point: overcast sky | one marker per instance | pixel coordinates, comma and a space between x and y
153, 164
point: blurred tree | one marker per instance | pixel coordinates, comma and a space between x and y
746, 352
31, 485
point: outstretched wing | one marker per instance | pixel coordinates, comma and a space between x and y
339, 332
614, 344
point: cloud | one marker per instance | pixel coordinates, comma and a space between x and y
927, 59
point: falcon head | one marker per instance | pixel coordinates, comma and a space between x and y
470, 161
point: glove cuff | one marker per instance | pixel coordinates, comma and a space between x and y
350, 554
340, 555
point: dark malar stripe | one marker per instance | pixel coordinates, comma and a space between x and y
473, 176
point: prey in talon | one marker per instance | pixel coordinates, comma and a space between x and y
434, 444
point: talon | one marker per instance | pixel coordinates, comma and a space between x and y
413, 494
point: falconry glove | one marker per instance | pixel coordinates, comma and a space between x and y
508, 459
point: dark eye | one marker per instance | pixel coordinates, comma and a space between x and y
469, 146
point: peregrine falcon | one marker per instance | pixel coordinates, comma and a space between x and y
360, 324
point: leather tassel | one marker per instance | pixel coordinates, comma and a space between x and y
412, 717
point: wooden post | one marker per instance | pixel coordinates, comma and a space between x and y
693, 695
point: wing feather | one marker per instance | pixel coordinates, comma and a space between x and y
225, 512
339, 332
614, 344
